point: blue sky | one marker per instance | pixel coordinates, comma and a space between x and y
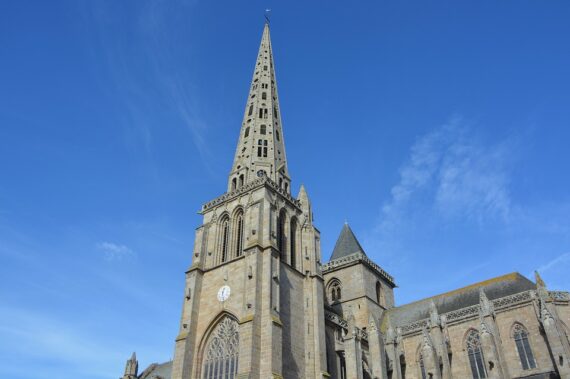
439, 130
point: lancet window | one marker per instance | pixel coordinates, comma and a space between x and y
281, 233
222, 351
520, 336
475, 354
335, 290
239, 234
293, 239
379, 296
224, 235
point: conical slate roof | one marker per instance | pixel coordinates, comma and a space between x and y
347, 244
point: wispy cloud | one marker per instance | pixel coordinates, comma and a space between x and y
454, 174
38, 336
145, 65
115, 252
561, 259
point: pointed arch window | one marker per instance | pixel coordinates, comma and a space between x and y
239, 234
281, 233
379, 297
293, 239
335, 290
225, 231
526, 356
475, 354
222, 351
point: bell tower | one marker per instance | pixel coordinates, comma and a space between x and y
253, 302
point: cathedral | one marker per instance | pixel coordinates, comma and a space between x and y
262, 301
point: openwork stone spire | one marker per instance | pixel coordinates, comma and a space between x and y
261, 148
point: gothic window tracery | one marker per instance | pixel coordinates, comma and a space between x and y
526, 356
475, 354
222, 351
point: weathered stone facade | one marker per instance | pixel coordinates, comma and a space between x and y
259, 303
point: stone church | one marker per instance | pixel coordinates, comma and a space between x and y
260, 301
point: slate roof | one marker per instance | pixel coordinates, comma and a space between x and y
494, 288
346, 244
157, 371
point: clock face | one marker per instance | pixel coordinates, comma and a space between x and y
260, 173
223, 293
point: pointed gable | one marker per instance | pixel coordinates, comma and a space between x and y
347, 244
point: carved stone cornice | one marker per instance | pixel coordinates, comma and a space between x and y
473, 311
355, 258
257, 183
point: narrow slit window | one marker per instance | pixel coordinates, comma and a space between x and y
249, 113
246, 134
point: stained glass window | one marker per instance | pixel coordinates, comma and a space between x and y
222, 351
475, 354
525, 352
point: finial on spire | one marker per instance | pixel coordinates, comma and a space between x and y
266, 15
